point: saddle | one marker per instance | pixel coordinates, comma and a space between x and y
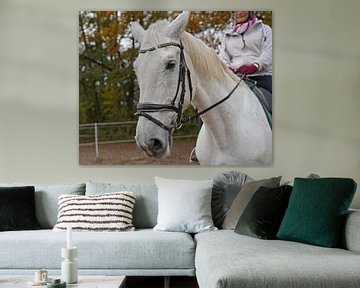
264, 97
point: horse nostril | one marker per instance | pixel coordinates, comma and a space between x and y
155, 145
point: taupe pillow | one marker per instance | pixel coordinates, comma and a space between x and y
243, 198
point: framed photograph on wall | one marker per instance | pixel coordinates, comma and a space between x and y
175, 87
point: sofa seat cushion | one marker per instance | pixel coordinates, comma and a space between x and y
142, 249
226, 259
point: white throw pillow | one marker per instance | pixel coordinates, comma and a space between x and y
184, 205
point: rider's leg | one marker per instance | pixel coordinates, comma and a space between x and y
264, 81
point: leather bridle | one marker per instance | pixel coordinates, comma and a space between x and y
143, 109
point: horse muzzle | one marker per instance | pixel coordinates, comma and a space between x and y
154, 147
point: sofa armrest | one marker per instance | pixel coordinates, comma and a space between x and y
351, 232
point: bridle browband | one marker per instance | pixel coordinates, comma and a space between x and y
143, 109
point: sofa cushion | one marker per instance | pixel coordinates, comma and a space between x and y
263, 215
105, 212
317, 209
243, 198
184, 205
17, 208
138, 250
350, 239
291, 182
225, 189
46, 200
225, 259
146, 205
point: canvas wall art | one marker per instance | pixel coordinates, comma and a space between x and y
175, 88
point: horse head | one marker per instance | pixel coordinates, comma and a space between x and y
161, 72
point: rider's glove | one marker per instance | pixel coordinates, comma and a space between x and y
248, 69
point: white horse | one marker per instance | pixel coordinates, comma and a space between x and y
235, 132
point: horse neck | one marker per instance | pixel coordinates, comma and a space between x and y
212, 82
222, 117
234, 123
210, 79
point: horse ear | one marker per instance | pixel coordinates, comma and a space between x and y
177, 26
138, 31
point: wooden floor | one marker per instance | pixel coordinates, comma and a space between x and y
158, 282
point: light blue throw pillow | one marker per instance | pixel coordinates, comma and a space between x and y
184, 205
146, 204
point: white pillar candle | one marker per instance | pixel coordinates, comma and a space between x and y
69, 237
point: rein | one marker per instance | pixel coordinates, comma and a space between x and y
196, 115
143, 109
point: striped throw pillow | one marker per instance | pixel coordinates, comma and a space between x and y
105, 212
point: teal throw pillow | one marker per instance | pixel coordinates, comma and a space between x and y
316, 211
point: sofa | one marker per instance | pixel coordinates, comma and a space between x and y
219, 258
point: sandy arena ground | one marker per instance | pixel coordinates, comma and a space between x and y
129, 154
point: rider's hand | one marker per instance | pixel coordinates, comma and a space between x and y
248, 69
233, 69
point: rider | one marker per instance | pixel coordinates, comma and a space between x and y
247, 48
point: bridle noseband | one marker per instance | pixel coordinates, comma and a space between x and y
143, 109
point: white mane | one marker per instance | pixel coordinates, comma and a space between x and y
204, 58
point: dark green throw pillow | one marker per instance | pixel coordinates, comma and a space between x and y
263, 214
316, 211
17, 208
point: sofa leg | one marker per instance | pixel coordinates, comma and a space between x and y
167, 282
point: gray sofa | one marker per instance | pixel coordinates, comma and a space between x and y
218, 259
226, 259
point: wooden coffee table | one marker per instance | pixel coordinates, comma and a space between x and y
84, 281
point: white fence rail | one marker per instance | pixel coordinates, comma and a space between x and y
92, 133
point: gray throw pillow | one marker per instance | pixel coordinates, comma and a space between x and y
146, 204
184, 205
46, 201
226, 187
243, 198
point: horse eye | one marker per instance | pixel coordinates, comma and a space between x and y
170, 65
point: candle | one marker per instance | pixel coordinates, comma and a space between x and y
69, 239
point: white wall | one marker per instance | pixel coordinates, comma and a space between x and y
316, 91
